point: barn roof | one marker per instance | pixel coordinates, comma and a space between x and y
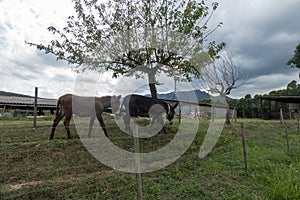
12, 100
283, 98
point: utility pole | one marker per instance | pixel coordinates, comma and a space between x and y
35, 107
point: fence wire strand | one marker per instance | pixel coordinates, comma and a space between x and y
31, 164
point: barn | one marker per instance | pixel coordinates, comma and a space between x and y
25, 105
293, 102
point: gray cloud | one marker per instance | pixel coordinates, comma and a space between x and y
49, 59
261, 36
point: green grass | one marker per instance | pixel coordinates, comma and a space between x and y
32, 167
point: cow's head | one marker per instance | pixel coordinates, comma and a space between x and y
115, 103
171, 113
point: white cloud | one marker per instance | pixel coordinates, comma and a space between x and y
28, 21
265, 84
260, 34
282, 38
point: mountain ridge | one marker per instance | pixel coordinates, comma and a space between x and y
183, 95
13, 94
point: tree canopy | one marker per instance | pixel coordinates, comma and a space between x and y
222, 76
293, 88
137, 38
295, 60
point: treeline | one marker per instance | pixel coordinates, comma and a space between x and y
252, 107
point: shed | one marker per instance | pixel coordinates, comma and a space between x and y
26, 104
293, 102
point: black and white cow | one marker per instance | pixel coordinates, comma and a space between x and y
142, 106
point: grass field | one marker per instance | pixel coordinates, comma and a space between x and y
32, 167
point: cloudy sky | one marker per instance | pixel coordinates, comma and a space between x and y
261, 35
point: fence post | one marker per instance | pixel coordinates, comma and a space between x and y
35, 107
298, 126
235, 115
286, 130
137, 162
281, 116
287, 137
244, 148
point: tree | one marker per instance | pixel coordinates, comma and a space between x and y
248, 105
293, 88
295, 60
257, 107
137, 38
222, 76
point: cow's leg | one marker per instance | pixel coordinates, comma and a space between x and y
157, 124
126, 119
102, 124
92, 120
161, 122
67, 126
55, 123
153, 125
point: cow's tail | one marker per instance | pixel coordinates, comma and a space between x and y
121, 107
125, 101
58, 108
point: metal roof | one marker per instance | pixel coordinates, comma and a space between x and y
283, 98
11, 100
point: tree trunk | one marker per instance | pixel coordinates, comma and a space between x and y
227, 115
152, 81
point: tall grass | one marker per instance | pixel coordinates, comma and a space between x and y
32, 167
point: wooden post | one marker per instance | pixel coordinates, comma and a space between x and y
213, 114
179, 113
281, 116
287, 137
298, 126
235, 115
244, 148
243, 112
286, 130
261, 108
137, 162
35, 107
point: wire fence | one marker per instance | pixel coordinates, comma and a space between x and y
32, 166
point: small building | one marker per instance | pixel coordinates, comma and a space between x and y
25, 105
293, 102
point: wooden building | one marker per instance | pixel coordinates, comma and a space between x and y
25, 105
293, 102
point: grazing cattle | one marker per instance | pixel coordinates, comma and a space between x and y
141, 106
70, 104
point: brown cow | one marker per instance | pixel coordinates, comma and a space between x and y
70, 104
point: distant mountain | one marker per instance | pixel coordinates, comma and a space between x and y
11, 94
183, 95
